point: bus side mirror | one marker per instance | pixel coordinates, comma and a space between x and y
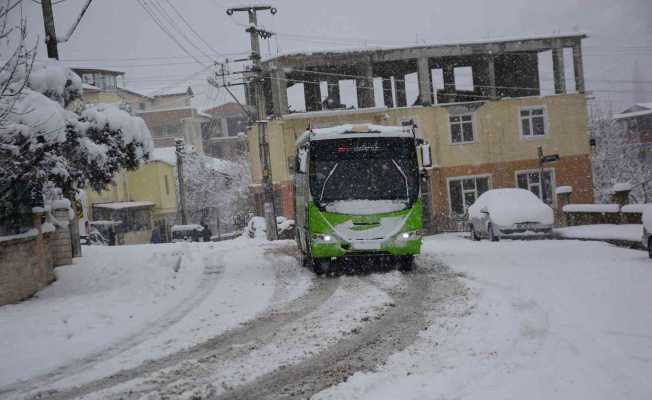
426, 157
302, 161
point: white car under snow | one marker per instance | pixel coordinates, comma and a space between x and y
500, 212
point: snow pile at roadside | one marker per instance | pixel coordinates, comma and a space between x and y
627, 232
545, 319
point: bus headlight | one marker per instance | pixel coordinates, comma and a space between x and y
407, 236
324, 238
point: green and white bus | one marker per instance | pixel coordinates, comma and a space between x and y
357, 193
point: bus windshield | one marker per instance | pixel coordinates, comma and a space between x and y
364, 169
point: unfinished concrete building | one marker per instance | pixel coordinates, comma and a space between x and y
505, 68
485, 135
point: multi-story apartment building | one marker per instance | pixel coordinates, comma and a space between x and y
484, 136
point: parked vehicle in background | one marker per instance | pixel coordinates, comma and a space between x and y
647, 229
94, 238
256, 228
501, 212
187, 233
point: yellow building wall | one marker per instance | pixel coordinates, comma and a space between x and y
101, 97
496, 123
117, 191
147, 183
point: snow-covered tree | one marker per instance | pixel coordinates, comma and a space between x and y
43, 144
216, 190
616, 159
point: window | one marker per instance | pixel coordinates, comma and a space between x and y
89, 79
167, 185
533, 121
142, 105
465, 190
461, 127
542, 188
170, 129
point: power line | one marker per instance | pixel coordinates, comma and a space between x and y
189, 25
161, 10
145, 7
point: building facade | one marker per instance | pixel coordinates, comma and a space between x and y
487, 137
142, 200
223, 133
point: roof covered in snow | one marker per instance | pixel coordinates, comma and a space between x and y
637, 110
167, 155
592, 208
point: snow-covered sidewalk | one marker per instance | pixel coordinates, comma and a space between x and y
544, 319
151, 300
625, 232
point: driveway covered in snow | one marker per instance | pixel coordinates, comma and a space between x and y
241, 319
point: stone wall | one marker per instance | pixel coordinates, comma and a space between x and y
26, 266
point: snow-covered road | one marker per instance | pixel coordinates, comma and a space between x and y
240, 319
546, 320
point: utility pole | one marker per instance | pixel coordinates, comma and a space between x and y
180, 149
259, 95
50, 34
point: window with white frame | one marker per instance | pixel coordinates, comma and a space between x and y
541, 186
465, 190
461, 127
533, 121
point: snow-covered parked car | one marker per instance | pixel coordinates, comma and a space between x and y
256, 228
647, 229
500, 212
187, 233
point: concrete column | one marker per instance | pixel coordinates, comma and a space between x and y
62, 247
312, 95
578, 67
448, 71
334, 91
279, 92
491, 75
424, 75
399, 90
558, 69
388, 99
365, 87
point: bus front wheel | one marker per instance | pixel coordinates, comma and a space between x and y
406, 263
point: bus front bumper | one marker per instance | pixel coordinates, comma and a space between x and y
340, 248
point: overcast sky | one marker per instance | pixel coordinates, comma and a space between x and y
119, 34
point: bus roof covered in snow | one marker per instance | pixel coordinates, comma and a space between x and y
354, 131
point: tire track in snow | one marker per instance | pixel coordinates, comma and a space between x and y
211, 273
366, 349
227, 345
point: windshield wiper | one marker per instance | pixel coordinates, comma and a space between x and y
407, 186
321, 196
